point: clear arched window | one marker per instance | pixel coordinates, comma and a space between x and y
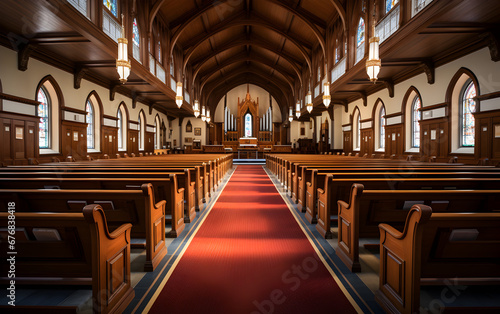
415, 126
389, 4
358, 132
120, 130
44, 115
90, 125
136, 40
157, 134
112, 6
360, 40
142, 130
248, 125
382, 127
467, 108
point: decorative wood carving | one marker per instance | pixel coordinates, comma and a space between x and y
112, 91
493, 41
79, 74
389, 84
23, 56
247, 105
428, 67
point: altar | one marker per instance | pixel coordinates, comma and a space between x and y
247, 148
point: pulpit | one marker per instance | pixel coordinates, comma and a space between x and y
248, 148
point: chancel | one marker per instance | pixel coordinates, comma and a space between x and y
250, 156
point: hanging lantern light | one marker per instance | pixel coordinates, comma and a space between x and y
297, 109
208, 116
326, 94
203, 117
196, 108
373, 63
290, 115
309, 103
122, 63
178, 98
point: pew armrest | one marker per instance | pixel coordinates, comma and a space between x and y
161, 204
321, 191
180, 191
342, 204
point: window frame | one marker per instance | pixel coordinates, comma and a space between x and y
48, 104
461, 114
90, 124
414, 122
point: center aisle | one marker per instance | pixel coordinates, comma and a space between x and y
250, 256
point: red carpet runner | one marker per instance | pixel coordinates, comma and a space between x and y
250, 256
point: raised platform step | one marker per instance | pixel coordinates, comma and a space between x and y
249, 161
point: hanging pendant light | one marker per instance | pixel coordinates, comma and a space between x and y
297, 109
326, 94
208, 116
122, 63
178, 98
290, 115
203, 117
196, 108
309, 104
373, 63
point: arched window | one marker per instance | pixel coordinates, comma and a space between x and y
122, 128
44, 109
389, 4
415, 126
136, 40
142, 130
360, 40
158, 133
381, 119
248, 125
90, 125
112, 6
158, 51
467, 108
358, 132
120, 137
337, 51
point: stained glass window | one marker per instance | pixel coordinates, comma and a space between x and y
382, 127
44, 115
389, 4
120, 134
90, 124
337, 51
248, 125
467, 108
135, 34
415, 126
112, 6
358, 131
361, 32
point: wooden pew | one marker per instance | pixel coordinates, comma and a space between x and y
137, 207
435, 248
187, 174
338, 187
367, 208
87, 253
164, 188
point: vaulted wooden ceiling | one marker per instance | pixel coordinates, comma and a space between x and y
270, 43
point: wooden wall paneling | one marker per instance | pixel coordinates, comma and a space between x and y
149, 145
74, 140
347, 142
110, 141
366, 146
31, 142
487, 144
133, 143
435, 138
394, 140
6, 137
